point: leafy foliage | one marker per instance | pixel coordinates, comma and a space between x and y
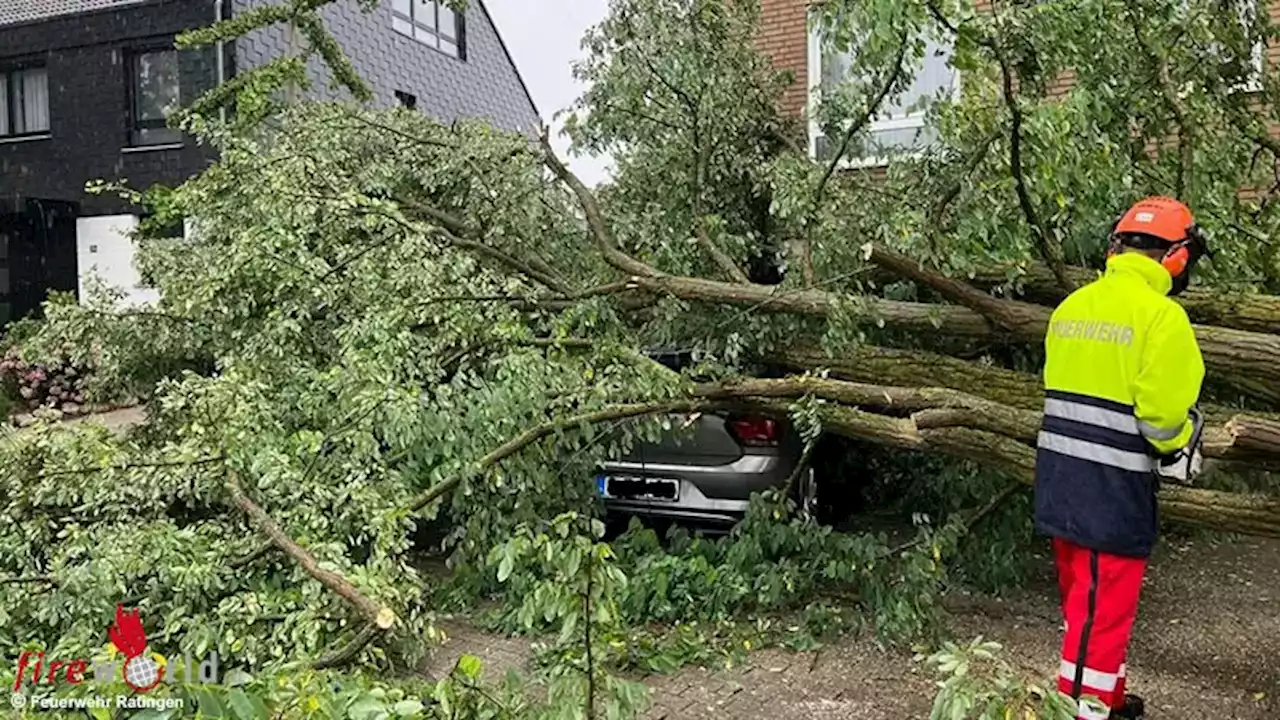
297, 692
659, 608
978, 685
381, 320
60, 387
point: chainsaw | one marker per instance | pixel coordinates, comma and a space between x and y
1182, 466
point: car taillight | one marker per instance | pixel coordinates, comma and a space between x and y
754, 432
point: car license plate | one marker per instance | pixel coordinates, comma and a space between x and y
637, 488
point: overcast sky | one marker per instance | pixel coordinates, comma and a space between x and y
543, 37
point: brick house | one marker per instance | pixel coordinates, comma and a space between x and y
84, 86
787, 39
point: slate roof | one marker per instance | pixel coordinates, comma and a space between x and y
15, 12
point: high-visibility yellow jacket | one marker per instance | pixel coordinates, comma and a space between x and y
1122, 370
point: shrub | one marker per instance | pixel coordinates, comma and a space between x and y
60, 385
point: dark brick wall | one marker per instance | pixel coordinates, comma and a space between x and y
86, 56
89, 102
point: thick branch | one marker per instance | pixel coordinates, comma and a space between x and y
1242, 438
998, 311
1048, 246
347, 653
1235, 512
378, 615
595, 219
534, 434
1241, 311
1245, 360
1164, 81
917, 368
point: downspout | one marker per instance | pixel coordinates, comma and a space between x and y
221, 59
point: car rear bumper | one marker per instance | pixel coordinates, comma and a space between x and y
711, 493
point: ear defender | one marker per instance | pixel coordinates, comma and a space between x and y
1176, 260
1113, 246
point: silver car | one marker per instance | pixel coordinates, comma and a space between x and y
705, 469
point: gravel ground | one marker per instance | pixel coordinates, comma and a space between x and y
1207, 640
1206, 647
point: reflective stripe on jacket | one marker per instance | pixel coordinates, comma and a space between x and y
1122, 369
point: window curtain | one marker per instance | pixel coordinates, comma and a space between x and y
4, 105
932, 77
35, 100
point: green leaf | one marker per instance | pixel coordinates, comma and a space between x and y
408, 708
243, 707
470, 666
209, 705
367, 708
505, 567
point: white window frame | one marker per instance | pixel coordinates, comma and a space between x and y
913, 120
434, 37
15, 103
1257, 57
1257, 54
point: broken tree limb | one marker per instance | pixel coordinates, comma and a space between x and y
1241, 311
921, 369
942, 420
1247, 513
874, 364
595, 218
1245, 360
378, 615
1240, 358
534, 434
347, 653
1243, 437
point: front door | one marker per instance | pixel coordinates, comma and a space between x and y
37, 254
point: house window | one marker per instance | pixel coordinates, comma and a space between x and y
1250, 68
406, 100
155, 93
430, 22
24, 102
899, 127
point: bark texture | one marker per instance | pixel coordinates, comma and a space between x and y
1241, 311
955, 424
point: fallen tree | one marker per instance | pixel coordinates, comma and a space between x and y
1249, 311
383, 318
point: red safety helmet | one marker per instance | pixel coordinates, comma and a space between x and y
1157, 223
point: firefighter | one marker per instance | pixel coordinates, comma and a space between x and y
1122, 378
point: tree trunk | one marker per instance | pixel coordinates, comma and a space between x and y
1248, 513
874, 364
1245, 360
1241, 311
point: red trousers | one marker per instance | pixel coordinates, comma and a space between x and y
1099, 603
